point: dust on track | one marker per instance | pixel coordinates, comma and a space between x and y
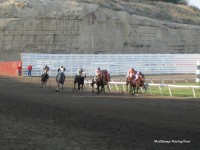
40, 118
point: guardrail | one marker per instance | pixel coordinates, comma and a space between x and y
169, 86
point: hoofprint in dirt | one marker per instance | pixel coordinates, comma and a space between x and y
35, 118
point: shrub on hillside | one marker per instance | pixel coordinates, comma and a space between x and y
173, 1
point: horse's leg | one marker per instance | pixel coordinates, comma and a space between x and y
92, 84
108, 86
128, 86
82, 84
78, 87
103, 89
133, 90
62, 87
45, 84
98, 89
74, 86
58, 88
145, 88
138, 87
41, 84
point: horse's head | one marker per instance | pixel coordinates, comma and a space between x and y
83, 74
142, 79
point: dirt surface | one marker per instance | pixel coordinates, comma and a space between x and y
34, 118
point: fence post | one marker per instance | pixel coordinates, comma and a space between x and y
160, 90
150, 89
162, 81
116, 87
151, 81
170, 92
124, 88
174, 81
194, 92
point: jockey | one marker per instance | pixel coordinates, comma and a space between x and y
46, 69
80, 71
97, 73
138, 73
61, 69
131, 73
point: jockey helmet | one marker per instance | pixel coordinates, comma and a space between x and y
61, 66
98, 68
81, 69
132, 69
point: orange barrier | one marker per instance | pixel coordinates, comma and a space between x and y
9, 68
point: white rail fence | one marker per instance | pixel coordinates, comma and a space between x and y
160, 86
116, 64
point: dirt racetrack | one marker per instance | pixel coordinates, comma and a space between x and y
34, 118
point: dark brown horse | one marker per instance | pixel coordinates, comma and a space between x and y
101, 81
44, 79
79, 81
60, 79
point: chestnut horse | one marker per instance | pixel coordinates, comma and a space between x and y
136, 84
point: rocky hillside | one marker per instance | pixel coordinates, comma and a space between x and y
96, 27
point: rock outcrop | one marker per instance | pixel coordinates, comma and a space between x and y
70, 27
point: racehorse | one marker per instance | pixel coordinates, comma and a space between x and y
101, 81
142, 83
128, 86
79, 80
136, 84
60, 79
44, 78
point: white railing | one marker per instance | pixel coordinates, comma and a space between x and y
116, 64
169, 86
